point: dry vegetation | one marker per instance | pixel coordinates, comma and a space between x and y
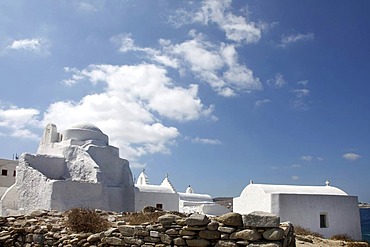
86, 220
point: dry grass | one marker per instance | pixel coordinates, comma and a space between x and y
305, 232
343, 237
137, 218
86, 220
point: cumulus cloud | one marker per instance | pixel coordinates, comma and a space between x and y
18, 121
294, 38
130, 109
206, 141
36, 45
215, 64
351, 156
236, 27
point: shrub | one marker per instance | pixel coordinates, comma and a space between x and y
304, 231
85, 220
343, 237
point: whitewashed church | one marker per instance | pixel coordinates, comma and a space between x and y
323, 209
78, 168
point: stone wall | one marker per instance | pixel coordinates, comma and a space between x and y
47, 228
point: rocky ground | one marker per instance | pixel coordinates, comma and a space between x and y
307, 241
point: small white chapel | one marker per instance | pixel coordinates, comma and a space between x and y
324, 209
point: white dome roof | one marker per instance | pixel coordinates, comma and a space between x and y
86, 126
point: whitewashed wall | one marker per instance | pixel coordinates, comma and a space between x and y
304, 210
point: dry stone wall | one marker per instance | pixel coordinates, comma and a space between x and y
47, 228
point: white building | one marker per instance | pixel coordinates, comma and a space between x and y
74, 168
323, 209
163, 196
7, 175
191, 202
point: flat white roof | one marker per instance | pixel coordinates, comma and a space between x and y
292, 189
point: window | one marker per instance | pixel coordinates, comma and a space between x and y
159, 206
14, 173
4, 172
323, 220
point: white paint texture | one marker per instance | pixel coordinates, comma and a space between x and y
77, 168
302, 206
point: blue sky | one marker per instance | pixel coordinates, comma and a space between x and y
214, 93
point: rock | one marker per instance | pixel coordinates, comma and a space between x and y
187, 233
110, 231
154, 234
260, 219
197, 242
226, 229
128, 230
165, 239
168, 219
133, 240
247, 234
172, 232
213, 225
223, 243
274, 234
231, 219
179, 241
114, 241
197, 220
210, 235
94, 237
265, 244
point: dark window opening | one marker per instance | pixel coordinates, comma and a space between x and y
323, 221
14, 173
4, 172
159, 206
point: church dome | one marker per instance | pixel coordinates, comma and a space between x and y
84, 132
86, 126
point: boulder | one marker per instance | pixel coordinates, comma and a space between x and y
197, 220
247, 234
260, 219
231, 219
274, 234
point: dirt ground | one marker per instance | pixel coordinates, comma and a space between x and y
308, 241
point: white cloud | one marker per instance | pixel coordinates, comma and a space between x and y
296, 166
206, 141
294, 38
88, 7
36, 45
278, 81
295, 177
214, 64
351, 156
300, 96
307, 158
237, 28
130, 109
262, 102
18, 121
